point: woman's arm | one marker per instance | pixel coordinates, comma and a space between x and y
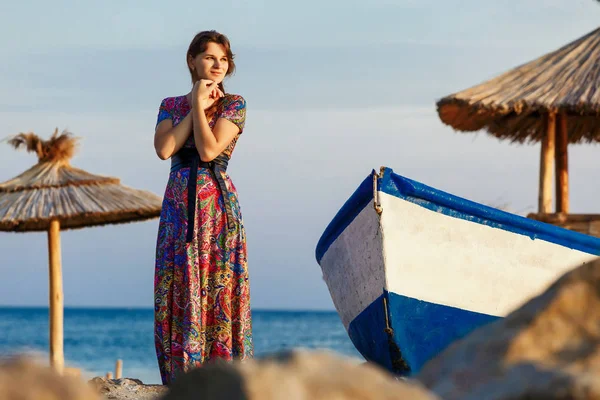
168, 139
209, 143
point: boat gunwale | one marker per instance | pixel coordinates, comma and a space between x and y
453, 206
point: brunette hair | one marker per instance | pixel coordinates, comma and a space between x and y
199, 44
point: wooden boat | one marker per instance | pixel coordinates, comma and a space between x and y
411, 269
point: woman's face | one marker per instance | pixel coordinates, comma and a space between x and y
211, 64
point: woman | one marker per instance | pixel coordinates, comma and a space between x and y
201, 286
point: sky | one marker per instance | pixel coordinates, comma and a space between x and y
333, 90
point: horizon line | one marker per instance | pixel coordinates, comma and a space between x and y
142, 308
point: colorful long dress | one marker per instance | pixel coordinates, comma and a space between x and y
201, 288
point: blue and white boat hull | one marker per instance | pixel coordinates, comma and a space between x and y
411, 269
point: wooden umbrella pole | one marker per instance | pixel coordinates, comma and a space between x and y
562, 165
546, 166
56, 298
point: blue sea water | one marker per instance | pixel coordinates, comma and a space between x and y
95, 338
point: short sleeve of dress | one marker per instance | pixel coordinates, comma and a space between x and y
234, 110
163, 112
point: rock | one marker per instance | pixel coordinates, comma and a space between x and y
24, 378
549, 348
295, 375
304, 375
126, 389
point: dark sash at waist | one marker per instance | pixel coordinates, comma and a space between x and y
189, 157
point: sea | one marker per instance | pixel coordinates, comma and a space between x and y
95, 338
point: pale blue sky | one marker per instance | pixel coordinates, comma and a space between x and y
334, 89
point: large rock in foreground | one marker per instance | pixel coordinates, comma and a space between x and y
126, 389
547, 349
295, 375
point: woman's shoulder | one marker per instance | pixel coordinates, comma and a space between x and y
172, 108
172, 101
233, 108
232, 100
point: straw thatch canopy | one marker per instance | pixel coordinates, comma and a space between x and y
53, 189
512, 106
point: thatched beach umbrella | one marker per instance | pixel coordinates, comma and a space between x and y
52, 195
554, 99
